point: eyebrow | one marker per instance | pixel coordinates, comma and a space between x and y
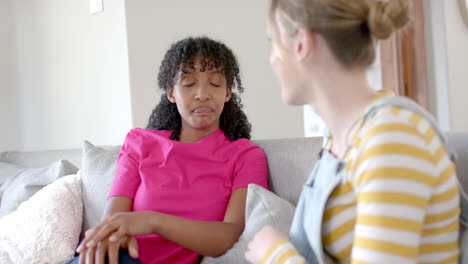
182, 73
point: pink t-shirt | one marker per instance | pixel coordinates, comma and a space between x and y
189, 180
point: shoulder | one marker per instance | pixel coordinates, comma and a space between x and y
396, 138
250, 164
392, 145
142, 139
244, 148
396, 125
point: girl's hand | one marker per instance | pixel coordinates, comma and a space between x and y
97, 255
117, 226
261, 243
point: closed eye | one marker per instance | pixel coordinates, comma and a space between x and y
215, 85
188, 85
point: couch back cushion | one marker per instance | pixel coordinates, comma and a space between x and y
38, 159
290, 162
22, 183
97, 174
458, 143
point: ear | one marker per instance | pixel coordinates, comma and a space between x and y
228, 94
304, 44
170, 96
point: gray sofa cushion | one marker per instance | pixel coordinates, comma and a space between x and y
458, 143
38, 159
7, 173
97, 174
28, 181
262, 208
290, 162
463, 245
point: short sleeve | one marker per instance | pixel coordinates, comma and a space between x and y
251, 167
127, 176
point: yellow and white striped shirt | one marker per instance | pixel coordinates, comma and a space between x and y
398, 200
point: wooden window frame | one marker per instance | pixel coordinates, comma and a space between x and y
404, 59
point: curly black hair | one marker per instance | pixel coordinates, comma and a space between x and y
211, 54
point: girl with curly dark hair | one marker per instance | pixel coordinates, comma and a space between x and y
180, 185
177, 65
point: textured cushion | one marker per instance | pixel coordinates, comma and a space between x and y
45, 228
27, 182
290, 162
262, 208
98, 170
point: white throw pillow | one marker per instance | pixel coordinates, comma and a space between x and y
262, 208
45, 228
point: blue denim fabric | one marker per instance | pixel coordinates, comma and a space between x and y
464, 208
124, 258
306, 227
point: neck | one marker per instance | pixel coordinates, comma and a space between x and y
193, 135
341, 97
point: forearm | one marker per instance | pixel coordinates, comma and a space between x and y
117, 204
203, 237
269, 246
283, 251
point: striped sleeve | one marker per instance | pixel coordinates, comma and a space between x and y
398, 178
282, 252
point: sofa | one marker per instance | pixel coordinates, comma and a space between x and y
289, 163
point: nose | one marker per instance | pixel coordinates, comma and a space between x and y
202, 93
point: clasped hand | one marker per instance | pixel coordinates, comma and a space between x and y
114, 233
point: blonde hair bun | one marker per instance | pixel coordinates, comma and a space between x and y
387, 16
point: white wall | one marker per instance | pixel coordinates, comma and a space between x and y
153, 26
448, 59
9, 123
66, 75
457, 55
72, 73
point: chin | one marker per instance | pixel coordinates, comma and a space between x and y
202, 125
291, 99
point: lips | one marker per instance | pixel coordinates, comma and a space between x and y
203, 110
